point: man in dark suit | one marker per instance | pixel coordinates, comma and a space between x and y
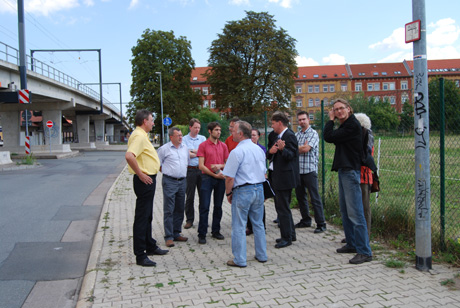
283, 155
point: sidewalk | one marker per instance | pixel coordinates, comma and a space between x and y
307, 274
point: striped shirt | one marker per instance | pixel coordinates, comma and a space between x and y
308, 162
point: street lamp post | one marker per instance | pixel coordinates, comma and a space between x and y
161, 100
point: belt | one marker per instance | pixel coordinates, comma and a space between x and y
246, 184
193, 167
173, 178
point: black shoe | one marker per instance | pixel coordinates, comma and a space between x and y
359, 258
280, 239
283, 243
320, 229
218, 236
344, 241
158, 251
276, 221
201, 240
146, 262
346, 249
302, 225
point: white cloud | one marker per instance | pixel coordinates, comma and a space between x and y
46, 7
334, 59
133, 4
447, 52
395, 41
287, 4
88, 2
398, 56
445, 32
304, 61
239, 2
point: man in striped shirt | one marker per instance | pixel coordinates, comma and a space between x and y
308, 141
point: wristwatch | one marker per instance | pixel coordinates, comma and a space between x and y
229, 193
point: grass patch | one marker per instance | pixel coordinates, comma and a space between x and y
394, 263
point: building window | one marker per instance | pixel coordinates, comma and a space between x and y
310, 89
213, 104
197, 90
310, 102
358, 87
195, 78
205, 103
317, 102
457, 83
298, 89
344, 87
299, 103
392, 100
388, 86
404, 98
377, 86
311, 116
370, 87
332, 88
325, 101
205, 91
325, 87
317, 89
376, 98
404, 85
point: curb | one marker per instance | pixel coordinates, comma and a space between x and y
89, 280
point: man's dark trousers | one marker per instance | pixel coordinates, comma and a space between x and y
309, 182
282, 206
142, 227
193, 180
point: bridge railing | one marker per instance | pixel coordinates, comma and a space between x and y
11, 55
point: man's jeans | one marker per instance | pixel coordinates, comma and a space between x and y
208, 184
248, 200
173, 206
351, 208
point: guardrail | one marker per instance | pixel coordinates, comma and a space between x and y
11, 55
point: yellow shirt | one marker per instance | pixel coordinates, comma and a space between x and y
146, 155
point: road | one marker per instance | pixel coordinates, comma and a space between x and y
48, 217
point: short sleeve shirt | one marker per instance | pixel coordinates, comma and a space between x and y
193, 144
308, 162
146, 155
213, 153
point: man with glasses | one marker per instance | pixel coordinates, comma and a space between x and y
347, 161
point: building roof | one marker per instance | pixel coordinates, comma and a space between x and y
378, 70
322, 72
197, 75
438, 67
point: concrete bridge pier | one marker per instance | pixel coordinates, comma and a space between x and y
83, 130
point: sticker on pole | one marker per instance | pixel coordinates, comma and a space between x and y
49, 124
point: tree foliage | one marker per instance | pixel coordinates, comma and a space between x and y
252, 66
451, 102
159, 51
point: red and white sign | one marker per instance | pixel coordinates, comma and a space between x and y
413, 31
27, 148
24, 96
49, 124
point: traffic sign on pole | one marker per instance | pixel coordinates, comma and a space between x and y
167, 121
49, 124
24, 96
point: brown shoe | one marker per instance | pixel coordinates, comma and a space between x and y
232, 263
169, 243
188, 225
181, 238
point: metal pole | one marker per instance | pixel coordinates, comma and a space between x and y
323, 163
100, 81
22, 56
442, 165
422, 145
161, 99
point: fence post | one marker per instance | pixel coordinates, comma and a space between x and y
323, 174
442, 165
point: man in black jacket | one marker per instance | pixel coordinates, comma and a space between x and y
347, 161
283, 155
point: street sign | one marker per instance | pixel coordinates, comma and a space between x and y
24, 96
167, 121
49, 124
413, 31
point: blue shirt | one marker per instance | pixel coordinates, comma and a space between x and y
308, 162
193, 144
174, 160
246, 164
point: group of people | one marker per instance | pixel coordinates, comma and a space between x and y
237, 169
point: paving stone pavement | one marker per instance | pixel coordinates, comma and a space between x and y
307, 274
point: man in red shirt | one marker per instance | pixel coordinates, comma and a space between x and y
231, 144
212, 155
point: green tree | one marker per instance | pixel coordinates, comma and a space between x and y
252, 66
451, 102
383, 116
407, 117
159, 51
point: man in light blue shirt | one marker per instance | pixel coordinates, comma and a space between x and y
244, 176
192, 140
174, 158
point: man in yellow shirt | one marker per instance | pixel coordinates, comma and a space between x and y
144, 163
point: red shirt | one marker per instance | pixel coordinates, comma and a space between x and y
230, 143
213, 153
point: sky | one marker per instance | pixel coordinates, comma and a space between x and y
327, 32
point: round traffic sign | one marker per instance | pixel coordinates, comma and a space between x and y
167, 121
49, 124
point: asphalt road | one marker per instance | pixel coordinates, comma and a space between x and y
48, 217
